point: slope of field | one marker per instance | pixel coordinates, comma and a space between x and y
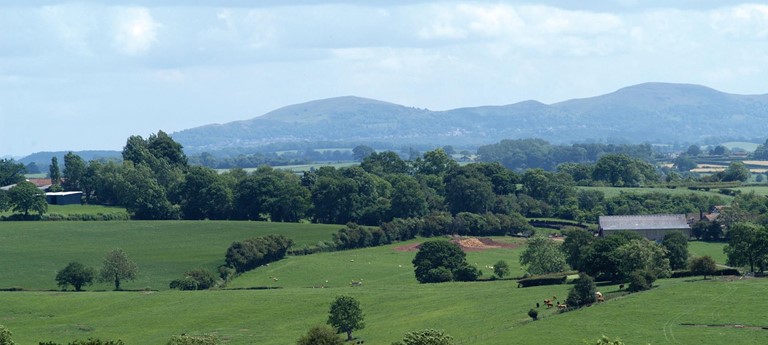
616, 191
32, 252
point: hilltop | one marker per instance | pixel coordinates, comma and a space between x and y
649, 112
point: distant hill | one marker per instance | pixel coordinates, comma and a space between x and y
650, 112
43, 159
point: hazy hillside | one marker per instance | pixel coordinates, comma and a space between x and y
641, 113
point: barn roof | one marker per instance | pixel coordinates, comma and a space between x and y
644, 222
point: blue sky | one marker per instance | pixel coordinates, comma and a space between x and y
86, 75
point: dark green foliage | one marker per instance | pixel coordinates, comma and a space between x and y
533, 314
345, 315
638, 282
11, 172
703, 265
271, 194
599, 260
75, 274
748, 246
5, 200
26, 197
540, 280
249, 254
466, 273
575, 244
205, 195
184, 339
320, 335
677, 250
583, 292
74, 171
438, 254
620, 170
360, 152
54, 172
384, 163
199, 279
426, 337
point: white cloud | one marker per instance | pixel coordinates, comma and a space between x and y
749, 21
134, 30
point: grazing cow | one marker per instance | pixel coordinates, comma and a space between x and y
356, 283
537, 304
561, 306
548, 303
599, 296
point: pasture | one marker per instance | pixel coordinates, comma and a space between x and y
616, 191
32, 252
485, 312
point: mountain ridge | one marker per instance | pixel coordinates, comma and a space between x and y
647, 112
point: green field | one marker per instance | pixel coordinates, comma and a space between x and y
616, 191
713, 249
32, 252
484, 312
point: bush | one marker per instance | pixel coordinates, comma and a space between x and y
534, 314
184, 339
320, 335
437, 275
501, 269
583, 292
5, 336
466, 273
90, 341
249, 254
637, 282
186, 283
426, 337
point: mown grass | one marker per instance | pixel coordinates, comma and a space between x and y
32, 252
713, 249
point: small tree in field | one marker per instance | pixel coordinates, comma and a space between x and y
75, 274
345, 315
320, 335
118, 267
703, 265
583, 292
184, 339
501, 269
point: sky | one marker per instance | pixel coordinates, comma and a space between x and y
87, 75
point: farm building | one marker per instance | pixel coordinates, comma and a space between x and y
652, 227
63, 198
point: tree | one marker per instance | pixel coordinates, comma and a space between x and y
426, 337
384, 163
736, 171
163, 147
205, 195
345, 315
693, 150
320, 335
599, 259
501, 268
75, 274
748, 246
11, 172
575, 244
543, 256
606, 341
6, 336
677, 249
360, 152
703, 265
117, 267
26, 197
643, 255
533, 314
5, 201
437, 260
621, 170
583, 292
74, 171
54, 172
435, 162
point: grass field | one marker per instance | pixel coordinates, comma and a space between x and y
713, 249
485, 312
32, 252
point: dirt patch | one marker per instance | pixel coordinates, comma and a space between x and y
467, 244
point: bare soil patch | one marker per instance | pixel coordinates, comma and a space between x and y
467, 244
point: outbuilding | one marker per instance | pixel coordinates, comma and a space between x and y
652, 227
64, 198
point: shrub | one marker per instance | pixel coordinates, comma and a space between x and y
249, 254
534, 314
426, 337
547, 279
5, 336
501, 269
437, 275
466, 273
320, 335
205, 339
583, 292
637, 282
90, 341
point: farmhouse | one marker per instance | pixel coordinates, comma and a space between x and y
63, 198
652, 227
